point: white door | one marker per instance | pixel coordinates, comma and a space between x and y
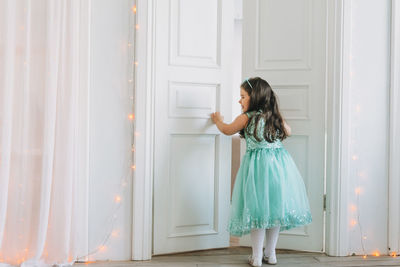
284, 42
193, 42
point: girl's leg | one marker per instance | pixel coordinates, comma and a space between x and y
272, 235
257, 242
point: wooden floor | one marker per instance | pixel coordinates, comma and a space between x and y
237, 257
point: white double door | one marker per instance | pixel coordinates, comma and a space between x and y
192, 160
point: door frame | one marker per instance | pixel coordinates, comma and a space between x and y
142, 214
394, 133
336, 124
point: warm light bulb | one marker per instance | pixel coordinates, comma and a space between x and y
131, 116
117, 199
353, 207
102, 248
358, 190
137, 26
376, 254
393, 254
114, 233
136, 63
133, 9
365, 256
133, 167
353, 222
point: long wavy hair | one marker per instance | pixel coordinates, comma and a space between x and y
263, 99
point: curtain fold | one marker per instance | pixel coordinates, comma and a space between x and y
39, 135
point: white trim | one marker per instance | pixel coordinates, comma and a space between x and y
144, 139
336, 243
394, 134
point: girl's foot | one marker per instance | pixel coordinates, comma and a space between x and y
271, 259
254, 262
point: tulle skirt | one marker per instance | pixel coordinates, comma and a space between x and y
268, 191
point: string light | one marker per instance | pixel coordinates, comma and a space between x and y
357, 190
117, 199
112, 232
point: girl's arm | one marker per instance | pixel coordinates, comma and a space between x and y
287, 128
238, 124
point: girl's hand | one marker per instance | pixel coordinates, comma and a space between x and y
216, 117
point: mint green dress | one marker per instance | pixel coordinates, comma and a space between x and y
269, 190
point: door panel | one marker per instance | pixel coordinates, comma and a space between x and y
193, 41
284, 42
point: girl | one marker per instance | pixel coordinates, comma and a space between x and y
269, 192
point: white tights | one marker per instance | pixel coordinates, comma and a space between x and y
257, 241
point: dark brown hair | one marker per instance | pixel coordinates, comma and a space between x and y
263, 99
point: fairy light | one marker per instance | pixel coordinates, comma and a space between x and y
357, 190
112, 232
117, 199
376, 254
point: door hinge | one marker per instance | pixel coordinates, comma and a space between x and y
324, 202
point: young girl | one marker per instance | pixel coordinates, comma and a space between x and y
269, 192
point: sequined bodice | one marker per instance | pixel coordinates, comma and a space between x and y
252, 143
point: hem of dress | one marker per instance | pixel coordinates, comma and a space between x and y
238, 229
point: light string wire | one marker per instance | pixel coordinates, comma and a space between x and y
357, 188
124, 181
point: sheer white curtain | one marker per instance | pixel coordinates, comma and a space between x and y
40, 135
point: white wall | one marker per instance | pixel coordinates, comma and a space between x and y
110, 131
369, 128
